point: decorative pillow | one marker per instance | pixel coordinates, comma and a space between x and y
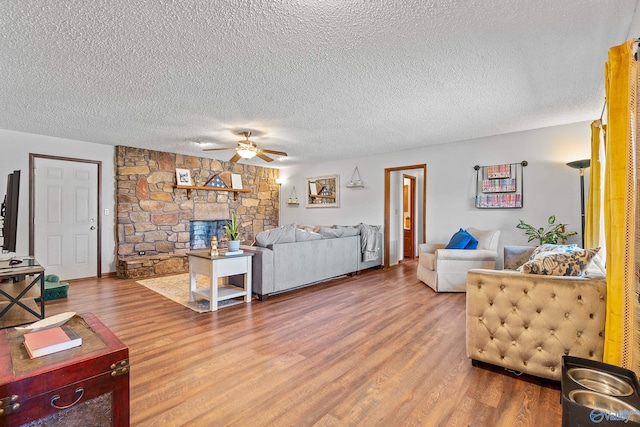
284, 234
306, 227
304, 235
560, 264
462, 240
553, 248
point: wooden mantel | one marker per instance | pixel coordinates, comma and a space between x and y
189, 188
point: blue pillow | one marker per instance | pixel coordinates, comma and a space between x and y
473, 242
462, 240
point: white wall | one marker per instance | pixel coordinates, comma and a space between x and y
550, 187
634, 30
16, 147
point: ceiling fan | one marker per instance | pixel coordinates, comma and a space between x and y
247, 150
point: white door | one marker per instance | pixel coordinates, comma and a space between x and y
65, 217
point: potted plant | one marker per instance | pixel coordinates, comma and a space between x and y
231, 228
550, 234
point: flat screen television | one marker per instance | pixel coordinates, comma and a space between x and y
9, 212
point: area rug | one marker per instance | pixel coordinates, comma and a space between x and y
176, 288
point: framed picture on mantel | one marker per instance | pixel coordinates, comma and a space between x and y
183, 177
323, 191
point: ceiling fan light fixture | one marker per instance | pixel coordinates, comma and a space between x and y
247, 153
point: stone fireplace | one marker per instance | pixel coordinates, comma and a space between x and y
201, 232
158, 223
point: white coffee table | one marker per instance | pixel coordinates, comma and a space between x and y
214, 267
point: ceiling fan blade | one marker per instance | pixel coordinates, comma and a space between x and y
263, 157
235, 158
279, 153
218, 149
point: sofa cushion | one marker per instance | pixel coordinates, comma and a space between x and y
352, 228
284, 234
553, 248
487, 239
304, 235
333, 233
462, 240
560, 263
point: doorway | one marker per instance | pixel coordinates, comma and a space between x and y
408, 215
64, 219
393, 208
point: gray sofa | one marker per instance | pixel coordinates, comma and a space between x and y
284, 266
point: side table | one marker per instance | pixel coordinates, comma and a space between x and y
14, 293
214, 267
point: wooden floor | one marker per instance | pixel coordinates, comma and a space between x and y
377, 349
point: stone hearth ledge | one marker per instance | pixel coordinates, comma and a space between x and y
142, 266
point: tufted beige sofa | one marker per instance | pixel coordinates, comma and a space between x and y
527, 322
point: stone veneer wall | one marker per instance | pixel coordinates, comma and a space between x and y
153, 216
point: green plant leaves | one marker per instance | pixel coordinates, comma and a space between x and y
231, 227
551, 234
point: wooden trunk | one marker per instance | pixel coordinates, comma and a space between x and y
83, 386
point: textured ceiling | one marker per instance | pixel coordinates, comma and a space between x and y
319, 79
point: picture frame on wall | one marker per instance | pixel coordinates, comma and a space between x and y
236, 181
323, 192
183, 177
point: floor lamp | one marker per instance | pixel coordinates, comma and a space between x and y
581, 165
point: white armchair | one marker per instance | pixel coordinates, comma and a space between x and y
445, 270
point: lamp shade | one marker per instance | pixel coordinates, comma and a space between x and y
246, 153
580, 164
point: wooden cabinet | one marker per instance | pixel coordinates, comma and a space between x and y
86, 385
408, 244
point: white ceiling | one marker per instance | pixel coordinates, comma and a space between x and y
319, 79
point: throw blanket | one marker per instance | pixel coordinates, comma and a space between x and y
369, 241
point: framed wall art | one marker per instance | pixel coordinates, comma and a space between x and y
499, 186
183, 177
323, 191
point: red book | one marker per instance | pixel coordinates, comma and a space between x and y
50, 341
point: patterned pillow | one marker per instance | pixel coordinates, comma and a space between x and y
560, 264
553, 248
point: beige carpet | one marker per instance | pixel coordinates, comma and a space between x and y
176, 288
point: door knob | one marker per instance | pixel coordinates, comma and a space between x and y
93, 227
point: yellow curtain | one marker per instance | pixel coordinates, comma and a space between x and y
619, 208
592, 215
